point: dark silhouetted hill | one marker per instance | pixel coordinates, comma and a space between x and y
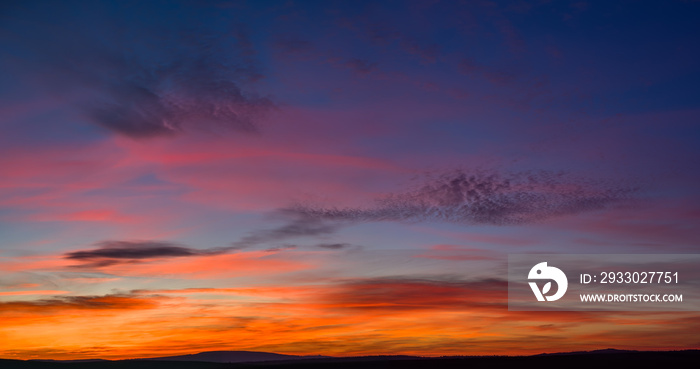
599, 359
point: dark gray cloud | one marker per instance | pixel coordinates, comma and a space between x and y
106, 302
334, 246
122, 252
481, 197
141, 69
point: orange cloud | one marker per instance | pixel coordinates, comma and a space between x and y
72, 303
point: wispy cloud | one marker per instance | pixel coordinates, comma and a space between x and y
297, 226
452, 252
281, 248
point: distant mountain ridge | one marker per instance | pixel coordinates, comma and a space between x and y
592, 352
233, 357
256, 358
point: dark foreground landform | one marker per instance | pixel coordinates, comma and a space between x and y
575, 360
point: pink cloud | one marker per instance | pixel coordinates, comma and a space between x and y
33, 292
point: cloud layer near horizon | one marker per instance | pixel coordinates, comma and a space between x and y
412, 314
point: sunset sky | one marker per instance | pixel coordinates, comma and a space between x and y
336, 177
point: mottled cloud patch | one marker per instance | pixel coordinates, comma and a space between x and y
140, 70
194, 90
122, 252
481, 197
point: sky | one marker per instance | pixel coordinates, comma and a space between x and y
336, 177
